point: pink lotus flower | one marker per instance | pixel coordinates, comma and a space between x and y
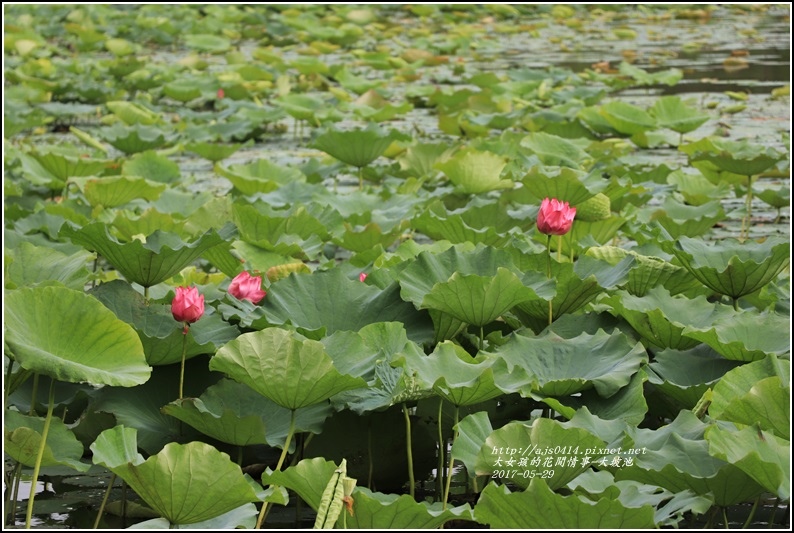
221, 94
188, 305
555, 217
244, 286
362, 276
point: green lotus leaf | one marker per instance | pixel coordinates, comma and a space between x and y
358, 148
339, 303
676, 458
660, 318
472, 432
22, 440
312, 109
134, 139
308, 479
375, 510
70, 336
419, 160
692, 221
146, 263
487, 224
475, 172
259, 176
185, 483
292, 232
357, 84
647, 271
133, 113
731, 267
673, 113
628, 119
628, 404
667, 77
214, 151
738, 157
293, 373
117, 190
777, 198
501, 509
51, 168
27, 264
566, 366
536, 443
361, 239
233, 413
577, 285
205, 42
695, 188
763, 456
379, 111
744, 336
682, 377
633, 494
183, 90
554, 150
756, 393
358, 352
128, 224
565, 184
120, 47
243, 517
152, 166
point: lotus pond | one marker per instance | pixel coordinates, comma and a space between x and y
424, 356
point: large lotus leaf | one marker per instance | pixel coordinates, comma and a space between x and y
660, 318
358, 148
134, 139
627, 118
364, 238
452, 374
756, 393
214, 151
233, 413
118, 190
292, 372
686, 220
309, 108
340, 304
577, 285
676, 458
128, 224
295, 232
501, 509
63, 166
22, 440
375, 510
243, 517
696, 189
475, 172
358, 352
763, 456
565, 184
732, 267
682, 377
390, 386
308, 479
669, 76
205, 42
633, 494
745, 336
185, 483
526, 451
478, 300
70, 336
627, 404
566, 366
27, 264
673, 113
146, 263
259, 176
647, 271
471, 434
419, 159
439, 224
554, 150
738, 157
152, 166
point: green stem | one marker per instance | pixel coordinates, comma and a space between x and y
548, 274
360, 178
40, 455
409, 452
182, 368
7, 382
441, 449
482, 338
772, 515
104, 501
735, 304
284, 451
752, 514
123, 504
146, 295
17, 479
725, 518
451, 460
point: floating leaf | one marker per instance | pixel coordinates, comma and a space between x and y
185, 483
70, 336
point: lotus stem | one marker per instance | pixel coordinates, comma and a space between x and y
451, 459
752, 513
548, 273
774, 511
104, 501
284, 451
360, 178
182, 368
7, 382
16, 478
146, 295
441, 449
482, 337
735, 303
409, 451
725, 518
40, 455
